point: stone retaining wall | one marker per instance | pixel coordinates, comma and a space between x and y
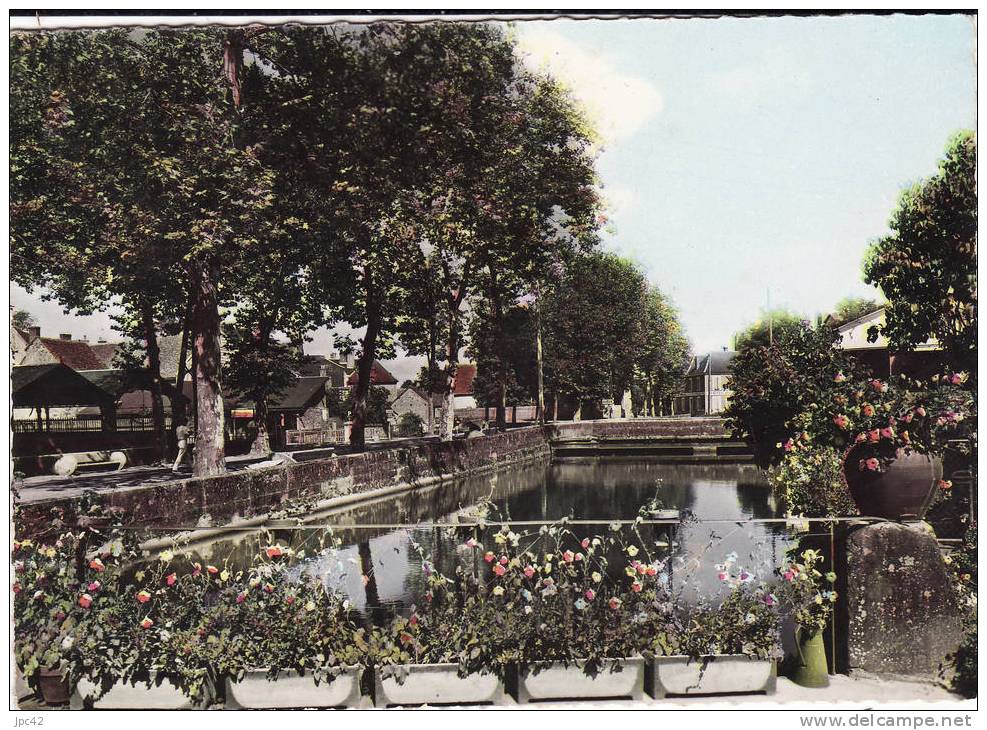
208, 501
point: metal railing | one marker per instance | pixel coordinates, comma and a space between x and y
85, 424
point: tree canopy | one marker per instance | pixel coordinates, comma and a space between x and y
927, 266
770, 325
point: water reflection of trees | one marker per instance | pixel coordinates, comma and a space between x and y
603, 489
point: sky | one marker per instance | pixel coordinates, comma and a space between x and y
742, 159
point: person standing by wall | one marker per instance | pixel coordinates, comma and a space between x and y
184, 436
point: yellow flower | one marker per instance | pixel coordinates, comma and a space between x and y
498, 590
630, 571
500, 538
819, 598
166, 556
310, 606
631, 550
547, 569
810, 555
596, 577
225, 575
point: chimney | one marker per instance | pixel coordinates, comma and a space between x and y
34, 332
65, 336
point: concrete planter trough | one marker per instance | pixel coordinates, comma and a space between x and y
709, 675
555, 681
139, 696
293, 690
438, 684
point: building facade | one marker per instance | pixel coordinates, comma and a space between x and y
705, 391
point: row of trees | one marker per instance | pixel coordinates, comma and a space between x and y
261, 183
600, 331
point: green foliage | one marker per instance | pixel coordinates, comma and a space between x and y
410, 424
378, 401
807, 593
509, 345
963, 564
22, 319
592, 327
772, 385
927, 266
809, 482
662, 353
777, 325
851, 308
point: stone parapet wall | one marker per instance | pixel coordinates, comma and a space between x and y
666, 428
210, 501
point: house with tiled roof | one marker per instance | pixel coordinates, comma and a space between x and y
20, 338
413, 399
921, 362
705, 392
379, 376
76, 354
462, 385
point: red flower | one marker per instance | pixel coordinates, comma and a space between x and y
590, 594
268, 588
212, 569
274, 551
16, 588
841, 421
529, 571
499, 569
636, 587
85, 600
614, 604
872, 464
489, 556
867, 409
147, 623
94, 586
405, 637
289, 600
143, 596
97, 565
504, 560
788, 445
874, 435
887, 433
413, 620
170, 579
568, 556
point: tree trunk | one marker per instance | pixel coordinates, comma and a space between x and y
210, 432
364, 368
179, 413
498, 325
539, 362
448, 414
153, 366
262, 441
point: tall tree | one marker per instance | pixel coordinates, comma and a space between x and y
662, 355
927, 267
593, 323
851, 308
130, 153
769, 327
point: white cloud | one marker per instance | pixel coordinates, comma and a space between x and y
618, 104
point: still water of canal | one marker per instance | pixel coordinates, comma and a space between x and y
386, 538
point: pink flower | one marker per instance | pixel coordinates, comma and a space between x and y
887, 433
789, 445
861, 437
94, 586
273, 551
471, 543
197, 569
872, 464
590, 594
413, 621
212, 569
241, 597
529, 571
568, 556
170, 579
504, 560
289, 600
16, 588
956, 378
268, 588
920, 412
839, 378
867, 409
147, 623
874, 435
85, 600
636, 587
788, 575
641, 568
585, 543
143, 596
614, 603
489, 556
879, 386
769, 599
97, 565
651, 570
579, 557
499, 569
841, 421
722, 575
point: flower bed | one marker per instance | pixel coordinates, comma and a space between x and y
549, 613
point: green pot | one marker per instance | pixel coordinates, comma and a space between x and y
811, 669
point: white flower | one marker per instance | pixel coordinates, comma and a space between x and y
166, 556
67, 643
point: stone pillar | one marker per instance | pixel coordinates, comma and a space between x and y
903, 614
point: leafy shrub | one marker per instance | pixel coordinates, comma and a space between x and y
410, 424
809, 482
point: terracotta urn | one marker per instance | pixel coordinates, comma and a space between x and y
901, 489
